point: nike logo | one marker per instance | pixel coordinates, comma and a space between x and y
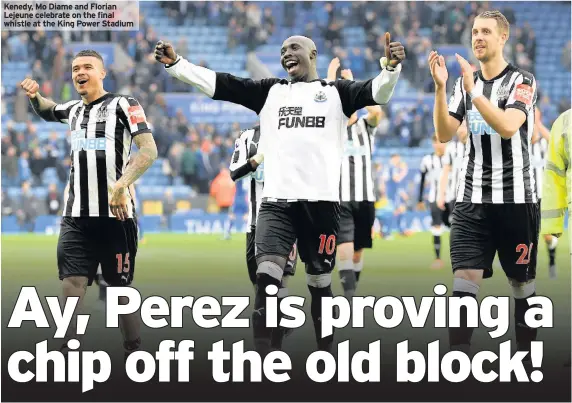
329, 262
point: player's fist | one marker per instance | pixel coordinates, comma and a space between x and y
438, 69
347, 74
30, 86
394, 51
165, 53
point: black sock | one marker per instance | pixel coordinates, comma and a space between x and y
348, 280
461, 336
262, 334
552, 256
357, 273
102, 292
278, 333
524, 334
437, 245
316, 309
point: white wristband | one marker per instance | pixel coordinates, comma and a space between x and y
475, 93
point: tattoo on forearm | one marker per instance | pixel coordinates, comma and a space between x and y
141, 162
43, 107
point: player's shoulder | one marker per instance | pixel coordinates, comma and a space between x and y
527, 76
271, 82
131, 100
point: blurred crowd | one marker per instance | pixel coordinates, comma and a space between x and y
195, 152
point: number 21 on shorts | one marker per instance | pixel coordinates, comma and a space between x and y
327, 243
525, 252
123, 264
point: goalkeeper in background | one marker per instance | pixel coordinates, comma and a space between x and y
557, 180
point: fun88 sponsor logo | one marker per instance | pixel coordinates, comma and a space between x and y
259, 173
80, 142
478, 126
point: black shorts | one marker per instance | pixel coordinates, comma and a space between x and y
85, 243
251, 264
314, 225
479, 231
356, 221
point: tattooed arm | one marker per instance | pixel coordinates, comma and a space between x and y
140, 162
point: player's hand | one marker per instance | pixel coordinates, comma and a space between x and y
333, 68
118, 202
257, 160
467, 71
165, 53
438, 69
347, 74
421, 206
394, 51
441, 204
30, 86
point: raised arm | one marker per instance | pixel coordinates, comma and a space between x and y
46, 109
356, 95
218, 86
446, 118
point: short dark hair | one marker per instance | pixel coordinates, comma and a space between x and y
88, 52
501, 20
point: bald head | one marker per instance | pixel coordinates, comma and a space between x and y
298, 58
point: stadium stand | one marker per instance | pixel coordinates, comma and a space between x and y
195, 136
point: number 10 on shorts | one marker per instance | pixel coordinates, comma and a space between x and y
328, 243
123, 265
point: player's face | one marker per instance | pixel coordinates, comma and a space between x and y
487, 39
87, 74
295, 59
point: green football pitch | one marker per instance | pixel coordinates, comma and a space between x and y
197, 265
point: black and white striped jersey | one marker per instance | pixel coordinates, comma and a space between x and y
431, 167
539, 151
304, 124
101, 137
356, 182
246, 147
497, 170
454, 156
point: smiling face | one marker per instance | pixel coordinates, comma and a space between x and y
298, 57
489, 35
87, 75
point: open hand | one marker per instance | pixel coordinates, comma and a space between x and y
165, 53
438, 69
467, 71
394, 51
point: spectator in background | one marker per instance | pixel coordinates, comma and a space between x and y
24, 167
7, 204
223, 190
169, 208
27, 208
189, 164
53, 200
10, 169
37, 166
